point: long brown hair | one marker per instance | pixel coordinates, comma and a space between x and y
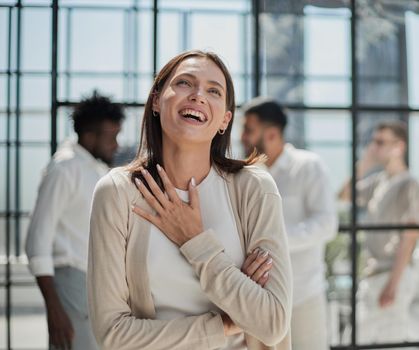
150, 151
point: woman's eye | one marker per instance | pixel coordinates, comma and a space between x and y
215, 91
183, 82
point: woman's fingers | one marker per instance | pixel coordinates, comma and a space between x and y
250, 258
168, 186
262, 270
193, 195
150, 198
155, 189
261, 258
262, 281
257, 266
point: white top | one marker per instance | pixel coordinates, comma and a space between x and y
309, 214
59, 228
174, 284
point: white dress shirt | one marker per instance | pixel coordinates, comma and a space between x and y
309, 214
59, 227
179, 293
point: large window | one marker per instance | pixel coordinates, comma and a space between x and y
335, 87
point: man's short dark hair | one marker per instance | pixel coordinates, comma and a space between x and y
397, 127
91, 112
268, 111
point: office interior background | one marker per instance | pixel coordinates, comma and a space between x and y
338, 66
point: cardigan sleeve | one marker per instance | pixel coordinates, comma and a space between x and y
114, 325
264, 313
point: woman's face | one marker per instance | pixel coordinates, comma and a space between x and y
192, 104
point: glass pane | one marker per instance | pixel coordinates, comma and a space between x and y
35, 127
129, 137
3, 127
412, 47
3, 92
3, 38
330, 126
29, 326
239, 5
241, 88
384, 316
97, 40
170, 42
35, 93
36, 2
3, 187
305, 52
236, 132
130, 133
145, 41
208, 20
326, 44
36, 39
206, 34
327, 92
339, 283
3, 184
388, 52
32, 161
3, 328
99, 3
288, 90
142, 88
12, 171
9, 2
63, 34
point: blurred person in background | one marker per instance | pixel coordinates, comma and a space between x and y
389, 196
309, 214
57, 241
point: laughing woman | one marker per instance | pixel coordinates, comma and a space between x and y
176, 235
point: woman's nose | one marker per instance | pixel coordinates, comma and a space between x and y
197, 96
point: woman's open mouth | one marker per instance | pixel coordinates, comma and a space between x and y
193, 115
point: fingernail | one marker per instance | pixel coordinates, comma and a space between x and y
255, 251
269, 261
263, 254
158, 167
266, 274
132, 207
138, 182
143, 171
193, 182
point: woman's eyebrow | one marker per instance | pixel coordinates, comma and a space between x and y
213, 82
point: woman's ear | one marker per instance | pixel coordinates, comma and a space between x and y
156, 100
226, 120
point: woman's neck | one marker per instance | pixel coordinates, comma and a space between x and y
183, 163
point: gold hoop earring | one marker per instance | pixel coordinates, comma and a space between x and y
155, 114
222, 131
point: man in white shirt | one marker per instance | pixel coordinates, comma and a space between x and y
57, 241
309, 213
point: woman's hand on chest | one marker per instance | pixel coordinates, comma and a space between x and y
178, 220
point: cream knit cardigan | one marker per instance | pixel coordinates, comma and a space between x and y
120, 301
